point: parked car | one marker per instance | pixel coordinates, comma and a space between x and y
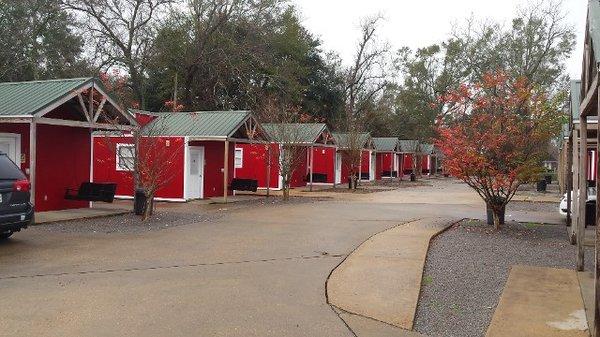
16, 210
591, 198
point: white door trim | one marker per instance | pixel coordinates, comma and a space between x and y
17, 138
200, 149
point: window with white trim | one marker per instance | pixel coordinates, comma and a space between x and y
125, 157
239, 158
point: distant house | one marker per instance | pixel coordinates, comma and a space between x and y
408, 155
46, 129
204, 152
368, 162
388, 160
426, 154
260, 162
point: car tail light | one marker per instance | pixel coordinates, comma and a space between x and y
22, 185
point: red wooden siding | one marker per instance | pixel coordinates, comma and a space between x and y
63, 161
254, 164
105, 169
324, 162
385, 163
408, 163
214, 153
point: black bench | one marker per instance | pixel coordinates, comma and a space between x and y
244, 185
317, 178
393, 174
365, 176
92, 192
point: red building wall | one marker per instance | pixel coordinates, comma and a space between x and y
63, 161
254, 164
105, 169
345, 172
385, 162
324, 162
425, 164
214, 153
299, 175
407, 163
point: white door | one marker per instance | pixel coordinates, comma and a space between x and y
195, 180
338, 168
11, 145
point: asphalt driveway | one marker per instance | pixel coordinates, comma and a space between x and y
253, 272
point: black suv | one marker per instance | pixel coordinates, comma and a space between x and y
16, 211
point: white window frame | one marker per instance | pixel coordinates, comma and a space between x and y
235, 157
118, 164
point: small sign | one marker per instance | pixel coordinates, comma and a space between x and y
23, 158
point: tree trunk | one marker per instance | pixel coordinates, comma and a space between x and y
286, 190
286, 193
496, 216
149, 206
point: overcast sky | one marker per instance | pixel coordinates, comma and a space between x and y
416, 23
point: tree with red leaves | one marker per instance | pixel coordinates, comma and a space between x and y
496, 134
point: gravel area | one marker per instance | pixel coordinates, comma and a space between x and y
468, 265
528, 206
379, 186
162, 218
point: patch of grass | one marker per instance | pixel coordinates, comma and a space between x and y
531, 225
427, 280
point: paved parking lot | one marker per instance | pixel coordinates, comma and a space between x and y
253, 272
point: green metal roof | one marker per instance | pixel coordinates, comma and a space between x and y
306, 133
218, 124
343, 139
28, 98
594, 26
408, 145
426, 148
575, 99
385, 144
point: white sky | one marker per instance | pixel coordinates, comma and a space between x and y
417, 23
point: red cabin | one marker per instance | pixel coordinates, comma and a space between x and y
427, 160
387, 149
408, 151
197, 148
368, 162
46, 128
315, 144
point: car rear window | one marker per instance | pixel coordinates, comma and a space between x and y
8, 169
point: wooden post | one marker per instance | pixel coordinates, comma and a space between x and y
312, 161
225, 170
596, 327
582, 191
234, 168
269, 154
575, 197
569, 175
32, 157
360, 167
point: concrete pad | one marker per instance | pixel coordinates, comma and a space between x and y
77, 214
382, 278
586, 283
366, 327
539, 301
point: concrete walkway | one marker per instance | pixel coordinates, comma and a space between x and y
77, 214
381, 279
538, 301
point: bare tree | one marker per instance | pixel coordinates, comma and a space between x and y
284, 128
352, 150
365, 80
147, 155
122, 33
